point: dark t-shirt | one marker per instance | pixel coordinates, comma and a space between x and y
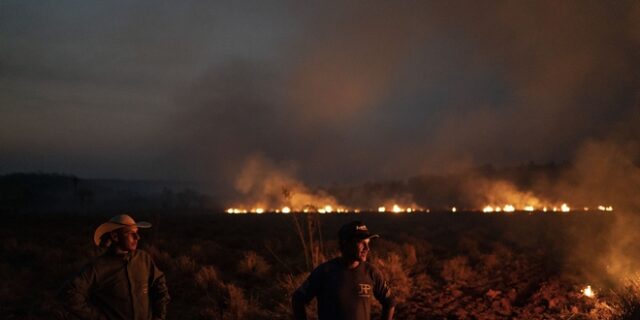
345, 293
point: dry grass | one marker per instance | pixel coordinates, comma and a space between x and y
253, 264
246, 267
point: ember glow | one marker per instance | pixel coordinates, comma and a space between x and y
588, 292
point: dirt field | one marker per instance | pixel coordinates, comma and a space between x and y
441, 265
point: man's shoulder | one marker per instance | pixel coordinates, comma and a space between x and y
140, 254
328, 266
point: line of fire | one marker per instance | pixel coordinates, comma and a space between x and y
397, 209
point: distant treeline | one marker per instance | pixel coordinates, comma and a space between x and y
53, 192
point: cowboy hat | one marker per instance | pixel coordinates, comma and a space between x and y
115, 223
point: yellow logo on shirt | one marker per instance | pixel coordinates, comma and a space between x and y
365, 290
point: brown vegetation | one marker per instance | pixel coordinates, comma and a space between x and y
440, 265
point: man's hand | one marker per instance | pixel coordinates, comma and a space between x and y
387, 312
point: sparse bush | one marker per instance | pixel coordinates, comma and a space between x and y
236, 305
628, 300
207, 278
223, 300
287, 284
410, 256
185, 264
253, 264
212, 299
457, 270
489, 262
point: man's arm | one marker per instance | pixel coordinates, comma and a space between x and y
382, 292
299, 307
76, 295
387, 312
307, 291
159, 292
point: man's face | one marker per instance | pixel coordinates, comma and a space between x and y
127, 238
356, 249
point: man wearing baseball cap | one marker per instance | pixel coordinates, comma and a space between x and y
346, 285
123, 283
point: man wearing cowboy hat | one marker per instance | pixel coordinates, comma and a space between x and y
346, 285
123, 283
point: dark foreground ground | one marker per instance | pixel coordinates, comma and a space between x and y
441, 265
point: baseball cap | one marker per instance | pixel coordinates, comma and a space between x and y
355, 230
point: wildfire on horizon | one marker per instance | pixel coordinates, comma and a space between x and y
397, 209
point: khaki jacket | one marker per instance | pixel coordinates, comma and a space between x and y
128, 287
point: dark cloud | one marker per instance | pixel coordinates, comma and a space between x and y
344, 92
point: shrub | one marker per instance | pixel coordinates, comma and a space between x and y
236, 304
628, 300
254, 264
223, 300
286, 286
457, 270
410, 256
207, 278
185, 264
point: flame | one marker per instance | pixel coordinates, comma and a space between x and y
605, 208
236, 211
588, 292
398, 208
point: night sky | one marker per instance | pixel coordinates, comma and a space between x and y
330, 91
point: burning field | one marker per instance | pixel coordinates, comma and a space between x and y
442, 265
531, 242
